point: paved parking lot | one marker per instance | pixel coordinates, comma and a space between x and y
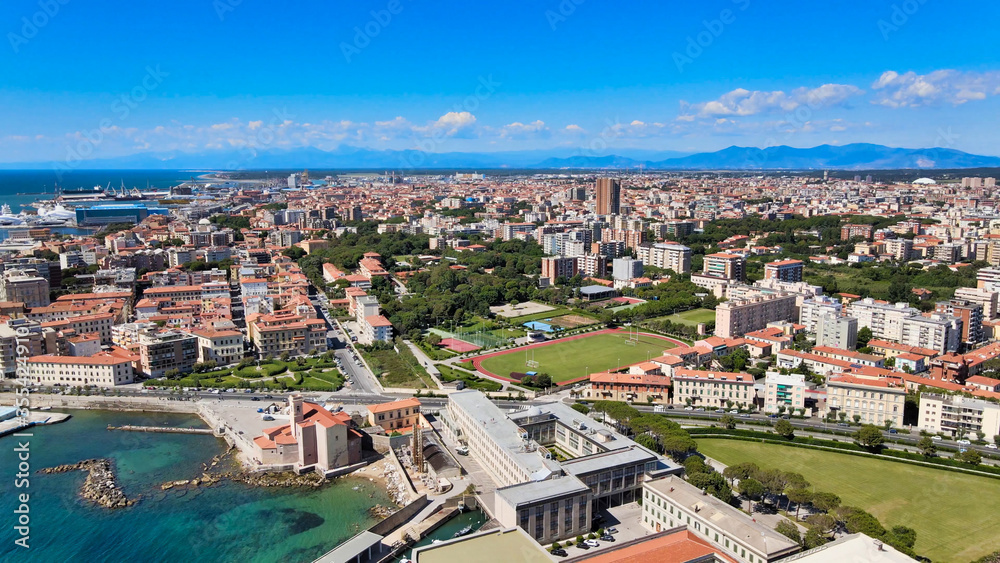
627, 518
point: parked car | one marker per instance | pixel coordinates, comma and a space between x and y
936, 438
583, 545
893, 431
591, 543
734, 411
607, 537
611, 530
559, 552
991, 446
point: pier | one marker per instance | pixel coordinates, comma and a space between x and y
163, 429
13, 425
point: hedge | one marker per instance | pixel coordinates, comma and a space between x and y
853, 449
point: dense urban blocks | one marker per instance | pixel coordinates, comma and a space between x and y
951, 512
575, 358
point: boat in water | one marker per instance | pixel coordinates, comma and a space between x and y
463, 532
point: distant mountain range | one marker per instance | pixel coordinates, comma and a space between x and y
858, 156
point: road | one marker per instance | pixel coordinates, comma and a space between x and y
359, 378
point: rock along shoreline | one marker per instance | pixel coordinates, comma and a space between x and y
101, 485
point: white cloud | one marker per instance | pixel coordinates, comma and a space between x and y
742, 102
517, 130
946, 86
460, 124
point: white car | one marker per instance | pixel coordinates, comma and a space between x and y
592, 543
936, 438
964, 442
689, 408
991, 446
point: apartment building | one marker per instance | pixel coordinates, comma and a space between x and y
638, 387
273, 335
672, 502
900, 249
726, 266
869, 401
837, 332
396, 415
787, 391
988, 300
737, 317
100, 324
554, 267
885, 320
971, 314
810, 310
714, 389
100, 370
163, 351
27, 334
18, 286
223, 347
784, 270
676, 257
848, 232
958, 416
937, 332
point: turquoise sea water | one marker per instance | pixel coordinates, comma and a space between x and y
226, 522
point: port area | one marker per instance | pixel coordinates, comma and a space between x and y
17, 424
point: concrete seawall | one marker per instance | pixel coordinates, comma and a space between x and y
97, 402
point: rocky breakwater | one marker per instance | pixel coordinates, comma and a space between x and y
101, 485
282, 479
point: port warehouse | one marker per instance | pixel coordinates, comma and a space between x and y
106, 214
549, 499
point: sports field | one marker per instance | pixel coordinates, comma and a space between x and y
575, 358
954, 515
692, 317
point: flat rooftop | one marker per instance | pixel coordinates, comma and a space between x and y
723, 516
535, 491
855, 547
505, 433
497, 546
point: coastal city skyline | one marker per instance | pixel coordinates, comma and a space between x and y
686, 78
537, 281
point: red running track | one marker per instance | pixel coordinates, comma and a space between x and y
478, 360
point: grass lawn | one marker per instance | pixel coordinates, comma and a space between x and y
954, 514
692, 317
572, 359
471, 380
397, 370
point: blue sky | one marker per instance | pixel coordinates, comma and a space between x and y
116, 78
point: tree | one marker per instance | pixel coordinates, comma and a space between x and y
799, 497
695, 464
752, 489
859, 521
648, 442
813, 539
927, 447
728, 421
785, 429
528, 381
827, 502
582, 409
970, 456
543, 380
740, 471
823, 523
864, 336
901, 537
433, 339
789, 530
870, 437
678, 445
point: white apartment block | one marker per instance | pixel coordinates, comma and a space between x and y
784, 390
937, 332
988, 299
674, 257
737, 317
958, 416
883, 319
812, 309
837, 332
